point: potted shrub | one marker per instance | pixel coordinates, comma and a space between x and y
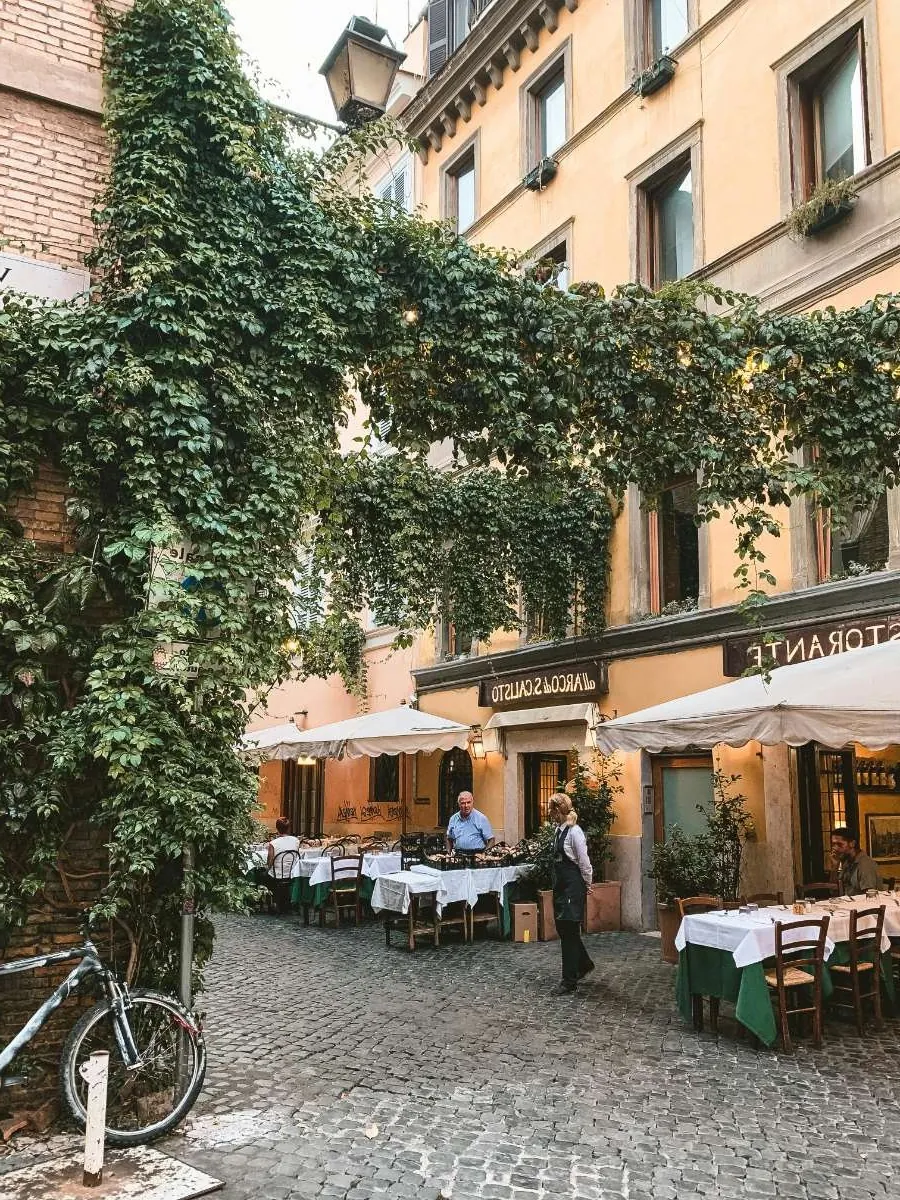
680, 866
593, 789
830, 202
656, 76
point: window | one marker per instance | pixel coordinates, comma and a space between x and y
667, 24
384, 779
674, 538
654, 28
667, 212
449, 23
396, 188
860, 546
671, 233
451, 642
546, 104
460, 187
552, 116
455, 776
833, 133
553, 267
829, 90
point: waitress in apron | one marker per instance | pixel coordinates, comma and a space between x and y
572, 877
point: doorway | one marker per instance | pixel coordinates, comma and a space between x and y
544, 775
302, 790
827, 788
682, 794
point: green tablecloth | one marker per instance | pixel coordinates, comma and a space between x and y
705, 971
316, 897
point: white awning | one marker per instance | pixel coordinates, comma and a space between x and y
553, 714
849, 697
400, 730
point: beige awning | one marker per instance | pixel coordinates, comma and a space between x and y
393, 731
553, 714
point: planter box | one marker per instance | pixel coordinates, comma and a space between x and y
655, 77
669, 922
546, 920
538, 178
604, 907
832, 214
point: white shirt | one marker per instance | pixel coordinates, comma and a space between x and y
575, 848
286, 842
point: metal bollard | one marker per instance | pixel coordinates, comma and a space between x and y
95, 1073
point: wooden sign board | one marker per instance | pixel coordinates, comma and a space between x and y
579, 681
808, 642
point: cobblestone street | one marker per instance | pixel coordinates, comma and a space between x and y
340, 1069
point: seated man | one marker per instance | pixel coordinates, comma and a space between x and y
856, 871
469, 829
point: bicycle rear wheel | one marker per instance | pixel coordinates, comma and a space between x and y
150, 1100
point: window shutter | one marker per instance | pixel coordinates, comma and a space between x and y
438, 40
400, 189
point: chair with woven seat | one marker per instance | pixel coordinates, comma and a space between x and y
346, 877
281, 878
799, 965
766, 899
689, 906
824, 889
860, 978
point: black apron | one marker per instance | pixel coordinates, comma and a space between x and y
569, 890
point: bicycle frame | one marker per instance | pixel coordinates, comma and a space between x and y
89, 965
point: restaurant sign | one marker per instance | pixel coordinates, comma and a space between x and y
585, 680
808, 642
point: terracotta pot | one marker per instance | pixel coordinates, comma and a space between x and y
546, 922
669, 919
604, 907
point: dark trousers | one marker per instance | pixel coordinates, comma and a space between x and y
575, 959
281, 891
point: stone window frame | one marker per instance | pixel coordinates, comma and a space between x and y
471, 148
638, 54
793, 69
646, 179
560, 61
563, 235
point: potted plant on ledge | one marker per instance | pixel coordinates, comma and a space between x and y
829, 202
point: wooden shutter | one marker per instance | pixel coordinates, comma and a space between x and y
438, 34
400, 189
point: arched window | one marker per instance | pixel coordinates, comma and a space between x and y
455, 777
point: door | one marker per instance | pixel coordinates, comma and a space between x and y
302, 790
682, 793
828, 800
544, 775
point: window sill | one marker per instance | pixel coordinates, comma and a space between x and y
655, 77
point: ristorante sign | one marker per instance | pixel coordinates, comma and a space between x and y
585, 680
808, 642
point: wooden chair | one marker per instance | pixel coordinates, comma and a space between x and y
799, 964
766, 899
823, 890
689, 906
346, 876
338, 850
864, 968
281, 879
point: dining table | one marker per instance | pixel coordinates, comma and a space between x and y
725, 953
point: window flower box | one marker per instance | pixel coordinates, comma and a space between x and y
538, 178
655, 77
832, 214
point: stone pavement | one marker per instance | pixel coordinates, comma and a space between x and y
339, 1069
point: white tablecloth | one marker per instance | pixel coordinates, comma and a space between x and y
750, 937
449, 887
257, 856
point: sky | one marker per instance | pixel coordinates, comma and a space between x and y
290, 39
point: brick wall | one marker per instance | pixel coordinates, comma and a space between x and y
42, 513
53, 924
68, 31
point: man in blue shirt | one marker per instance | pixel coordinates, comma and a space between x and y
469, 829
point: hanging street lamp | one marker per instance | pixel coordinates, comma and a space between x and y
360, 71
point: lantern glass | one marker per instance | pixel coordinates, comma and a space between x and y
360, 71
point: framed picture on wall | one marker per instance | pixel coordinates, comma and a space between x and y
883, 836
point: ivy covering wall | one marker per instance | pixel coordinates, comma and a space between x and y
244, 296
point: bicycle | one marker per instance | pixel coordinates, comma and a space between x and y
157, 1055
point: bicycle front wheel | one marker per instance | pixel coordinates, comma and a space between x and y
149, 1100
